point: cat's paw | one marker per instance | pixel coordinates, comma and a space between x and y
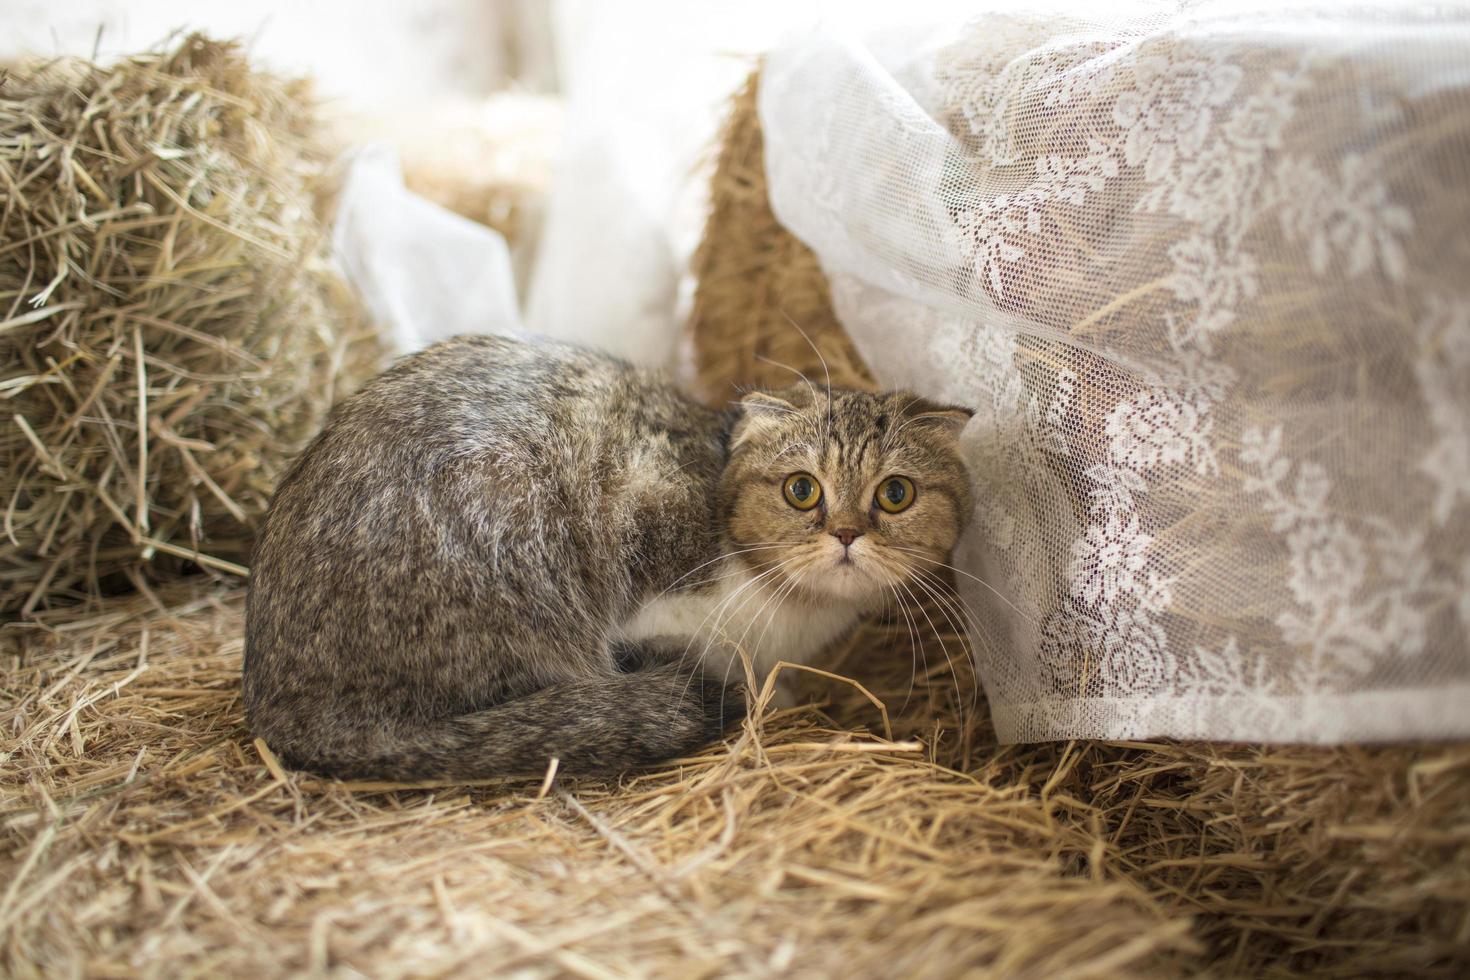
721, 705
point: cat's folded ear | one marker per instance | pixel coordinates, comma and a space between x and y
768, 401
949, 419
762, 411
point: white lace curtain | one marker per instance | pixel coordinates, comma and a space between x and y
1205, 274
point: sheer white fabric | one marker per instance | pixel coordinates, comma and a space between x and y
424, 273
1205, 275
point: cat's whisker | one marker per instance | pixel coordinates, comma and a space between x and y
732, 574
825, 369
717, 612
915, 640
916, 651
913, 645
947, 596
793, 582
783, 588
745, 550
998, 594
944, 647
780, 595
726, 576
953, 599
821, 436
720, 616
959, 631
950, 608
950, 598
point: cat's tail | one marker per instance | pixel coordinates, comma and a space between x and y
604, 724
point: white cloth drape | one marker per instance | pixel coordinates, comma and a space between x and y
1205, 275
424, 273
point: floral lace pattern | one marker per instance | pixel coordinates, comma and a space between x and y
1202, 275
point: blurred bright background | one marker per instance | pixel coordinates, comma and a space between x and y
580, 131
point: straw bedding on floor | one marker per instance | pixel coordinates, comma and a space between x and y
147, 832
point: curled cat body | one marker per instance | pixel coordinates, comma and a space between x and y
502, 551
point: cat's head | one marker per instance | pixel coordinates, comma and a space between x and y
845, 495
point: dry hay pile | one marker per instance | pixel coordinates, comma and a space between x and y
169, 332
146, 832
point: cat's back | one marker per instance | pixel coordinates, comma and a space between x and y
532, 405
469, 393
534, 451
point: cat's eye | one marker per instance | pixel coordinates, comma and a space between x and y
895, 494
802, 491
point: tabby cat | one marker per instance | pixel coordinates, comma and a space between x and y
503, 551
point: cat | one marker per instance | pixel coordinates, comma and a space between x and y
501, 551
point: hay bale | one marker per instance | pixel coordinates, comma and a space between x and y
1285, 859
761, 303
170, 332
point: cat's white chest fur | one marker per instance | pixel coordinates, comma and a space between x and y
742, 613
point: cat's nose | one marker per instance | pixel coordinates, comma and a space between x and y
847, 535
